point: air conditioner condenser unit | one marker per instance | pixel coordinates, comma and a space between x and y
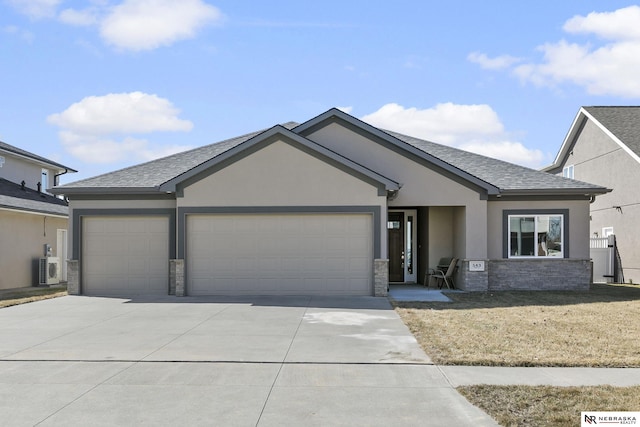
49, 270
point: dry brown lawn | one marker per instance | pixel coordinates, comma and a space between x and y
598, 328
549, 406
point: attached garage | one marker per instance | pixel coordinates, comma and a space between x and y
125, 255
284, 254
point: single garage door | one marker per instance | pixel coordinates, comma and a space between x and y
280, 254
125, 255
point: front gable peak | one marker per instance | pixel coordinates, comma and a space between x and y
278, 133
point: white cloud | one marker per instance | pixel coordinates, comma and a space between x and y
509, 151
621, 24
85, 17
36, 9
130, 25
609, 68
135, 112
475, 128
497, 63
446, 123
148, 24
347, 110
98, 128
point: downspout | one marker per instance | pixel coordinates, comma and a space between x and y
56, 177
56, 181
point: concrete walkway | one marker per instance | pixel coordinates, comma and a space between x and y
78, 361
562, 377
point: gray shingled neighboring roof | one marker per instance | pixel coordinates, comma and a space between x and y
13, 197
623, 122
10, 148
507, 177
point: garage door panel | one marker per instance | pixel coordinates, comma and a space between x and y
279, 254
125, 255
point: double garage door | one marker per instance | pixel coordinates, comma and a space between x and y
253, 254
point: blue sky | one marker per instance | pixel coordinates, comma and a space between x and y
102, 84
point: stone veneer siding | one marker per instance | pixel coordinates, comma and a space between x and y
472, 281
176, 277
73, 277
539, 274
381, 277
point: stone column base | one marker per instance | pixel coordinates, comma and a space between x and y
380, 277
176, 277
73, 277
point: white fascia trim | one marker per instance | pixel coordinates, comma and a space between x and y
612, 136
568, 139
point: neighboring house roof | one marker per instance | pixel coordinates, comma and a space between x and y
495, 176
14, 197
24, 153
621, 124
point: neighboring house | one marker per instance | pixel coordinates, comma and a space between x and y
603, 146
333, 206
30, 217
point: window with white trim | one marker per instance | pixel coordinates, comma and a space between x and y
567, 171
45, 180
534, 236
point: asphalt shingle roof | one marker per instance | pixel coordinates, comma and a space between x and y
623, 122
156, 172
503, 175
12, 196
500, 174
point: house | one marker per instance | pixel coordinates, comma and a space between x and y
603, 146
30, 216
332, 206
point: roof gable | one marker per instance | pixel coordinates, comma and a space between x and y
496, 177
621, 124
391, 140
277, 132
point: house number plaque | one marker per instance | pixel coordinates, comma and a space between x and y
476, 265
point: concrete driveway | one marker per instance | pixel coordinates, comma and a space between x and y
267, 361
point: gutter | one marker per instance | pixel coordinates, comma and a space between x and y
586, 193
56, 177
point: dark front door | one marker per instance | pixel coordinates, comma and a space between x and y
395, 228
